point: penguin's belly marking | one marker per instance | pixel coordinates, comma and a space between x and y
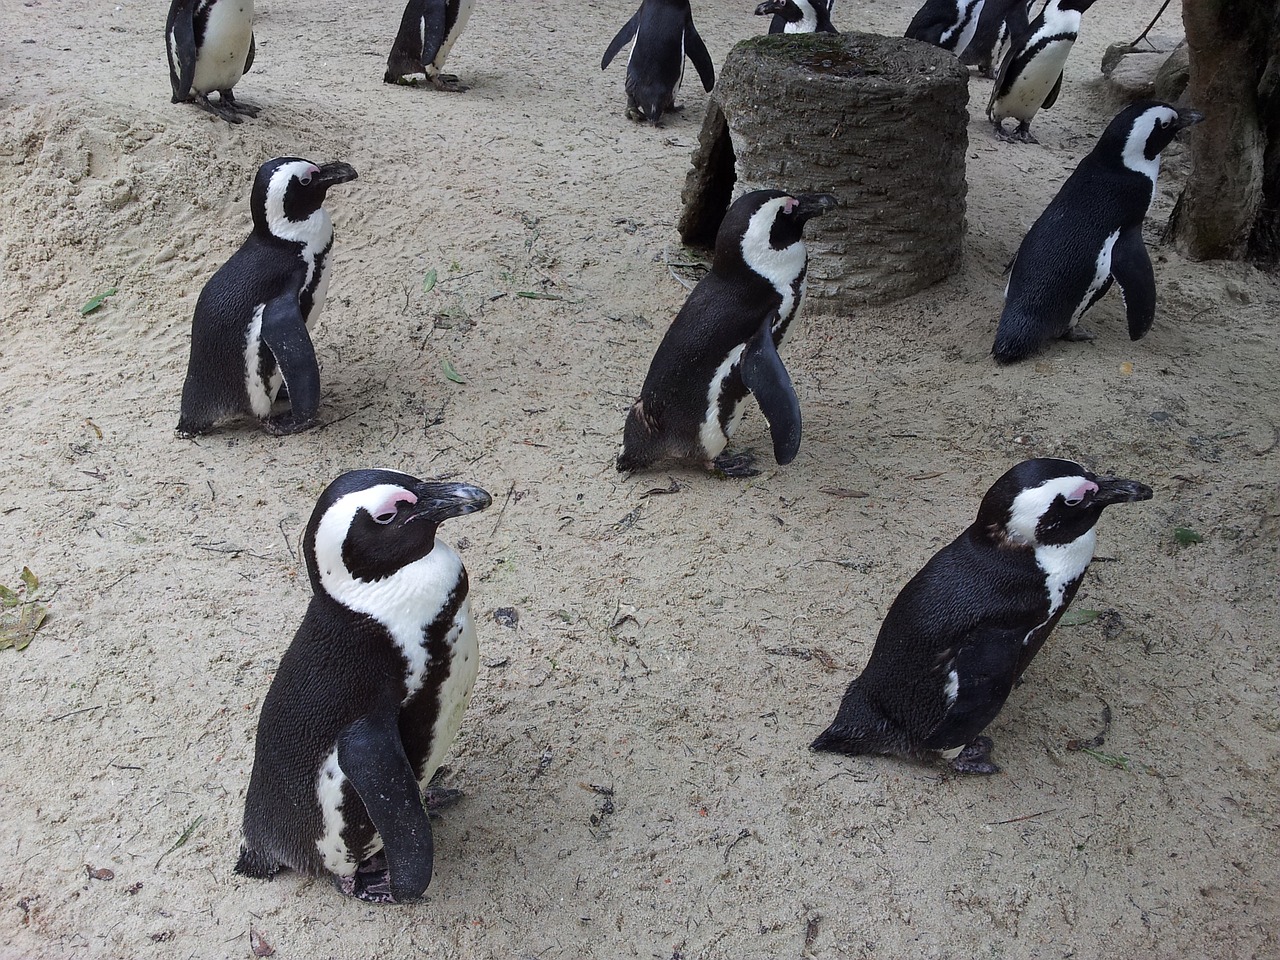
713, 434
261, 392
1101, 274
225, 47
1062, 566
1030, 88
455, 691
329, 792
321, 289
464, 11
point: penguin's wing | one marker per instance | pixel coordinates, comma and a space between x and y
929, 24
1052, 98
625, 36
433, 18
181, 46
769, 383
372, 757
778, 24
980, 672
1131, 268
696, 51
248, 61
285, 333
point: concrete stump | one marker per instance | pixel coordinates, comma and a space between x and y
880, 122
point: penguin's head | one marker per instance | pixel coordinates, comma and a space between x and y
1048, 502
287, 192
764, 229
368, 524
787, 9
1141, 130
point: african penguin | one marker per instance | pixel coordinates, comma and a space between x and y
948, 24
1031, 72
798, 16
428, 31
1089, 235
964, 628
998, 21
251, 331
664, 35
210, 47
370, 694
723, 344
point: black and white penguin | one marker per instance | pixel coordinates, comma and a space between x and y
428, 31
1031, 72
948, 24
964, 628
1089, 235
999, 20
723, 344
369, 696
664, 35
210, 46
251, 331
798, 16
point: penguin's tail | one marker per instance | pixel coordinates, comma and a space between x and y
1017, 337
839, 738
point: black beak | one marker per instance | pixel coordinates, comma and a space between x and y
1115, 490
333, 173
440, 501
814, 205
771, 6
1186, 118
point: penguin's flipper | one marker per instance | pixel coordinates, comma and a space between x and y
433, 17
248, 61
770, 384
1000, 88
181, 47
285, 333
984, 668
696, 51
1052, 98
625, 36
372, 756
1131, 268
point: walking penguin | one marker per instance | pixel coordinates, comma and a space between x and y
428, 31
664, 35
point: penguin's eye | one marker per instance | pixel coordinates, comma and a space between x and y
1164, 124
1073, 501
384, 516
305, 181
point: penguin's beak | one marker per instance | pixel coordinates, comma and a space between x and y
1115, 490
333, 173
771, 6
814, 205
440, 501
1186, 118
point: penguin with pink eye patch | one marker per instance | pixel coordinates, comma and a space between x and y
370, 694
964, 628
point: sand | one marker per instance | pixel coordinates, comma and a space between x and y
635, 759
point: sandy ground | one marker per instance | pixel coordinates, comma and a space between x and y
677, 650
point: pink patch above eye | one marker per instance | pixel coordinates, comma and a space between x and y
1079, 493
389, 506
790, 204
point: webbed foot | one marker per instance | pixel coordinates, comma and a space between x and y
1077, 334
739, 466
975, 758
371, 882
449, 82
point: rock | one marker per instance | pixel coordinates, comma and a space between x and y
1133, 76
1174, 75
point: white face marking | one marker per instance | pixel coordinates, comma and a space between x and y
1135, 157
808, 22
1031, 504
314, 233
220, 59
780, 267
333, 851
1101, 273
1036, 78
405, 602
714, 437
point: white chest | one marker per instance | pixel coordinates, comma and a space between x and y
1062, 566
1031, 86
227, 35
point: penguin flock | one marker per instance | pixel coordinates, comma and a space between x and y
371, 692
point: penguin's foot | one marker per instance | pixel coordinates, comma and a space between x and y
222, 110
448, 82
1077, 334
739, 466
230, 102
636, 114
1023, 133
436, 799
371, 882
287, 424
975, 758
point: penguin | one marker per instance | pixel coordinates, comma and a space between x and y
1031, 72
999, 20
1089, 235
428, 31
370, 694
664, 35
210, 47
948, 24
251, 331
798, 16
723, 344
964, 629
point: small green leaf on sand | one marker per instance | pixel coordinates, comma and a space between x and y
429, 281
20, 631
93, 303
1074, 618
450, 372
1185, 536
1110, 759
538, 295
186, 835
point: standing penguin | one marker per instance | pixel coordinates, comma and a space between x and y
428, 31
798, 16
251, 331
210, 47
370, 694
1089, 235
723, 344
964, 628
948, 24
1031, 73
664, 35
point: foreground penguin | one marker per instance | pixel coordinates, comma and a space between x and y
369, 695
1031, 72
964, 629
251, 331
664, 35
428, 31
1089, 235
723, 344
949, 24
210, 47
798, 16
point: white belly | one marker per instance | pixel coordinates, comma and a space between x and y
464, 11
227, 35
1033, 84
455, 692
